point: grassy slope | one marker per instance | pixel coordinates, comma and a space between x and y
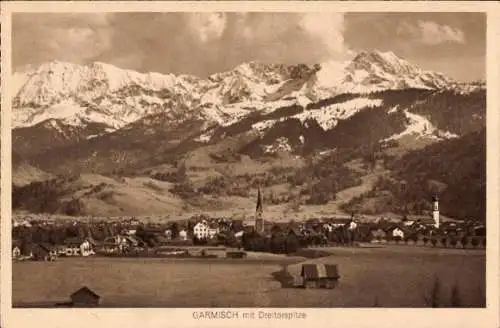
24, 174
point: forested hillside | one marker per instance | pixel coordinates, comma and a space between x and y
454, 169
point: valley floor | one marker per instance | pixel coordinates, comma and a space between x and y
390, 276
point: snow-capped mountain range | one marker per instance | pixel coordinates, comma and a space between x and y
101, 93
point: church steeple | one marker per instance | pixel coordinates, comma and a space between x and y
435, 210
259, 222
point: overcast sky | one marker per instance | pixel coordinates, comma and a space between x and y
204, 43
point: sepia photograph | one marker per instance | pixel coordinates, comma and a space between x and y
248, 159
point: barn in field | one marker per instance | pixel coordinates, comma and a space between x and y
320, 275
84, 297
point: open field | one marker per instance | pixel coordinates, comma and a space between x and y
397, 276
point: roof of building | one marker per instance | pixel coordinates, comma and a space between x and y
38, 249
340, 220
47, 247
213, 225
108, 243
78, 241
85, 290
315, 271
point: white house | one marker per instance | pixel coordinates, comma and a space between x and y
397, 232
183, 235
353, 225
408, 223
168, 234
86, 248
200, 230
16, 252
78, 247
327, 227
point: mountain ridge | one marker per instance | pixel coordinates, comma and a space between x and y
103, 93
263, 121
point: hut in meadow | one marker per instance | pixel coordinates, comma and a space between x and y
320, 275
85, 297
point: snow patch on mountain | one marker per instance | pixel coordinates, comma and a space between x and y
281, 144
68, 112
328, 117
420, 127
204, 138
393, 110
264, 125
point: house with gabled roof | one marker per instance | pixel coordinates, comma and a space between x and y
85, 297
79, 246
319, 275
16, 249
50, 249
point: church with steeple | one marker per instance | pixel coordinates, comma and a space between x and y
259, 221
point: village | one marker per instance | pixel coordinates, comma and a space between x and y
218, 243
47, 239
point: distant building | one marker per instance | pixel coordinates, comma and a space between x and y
79, 247
84, 297
319, 275
16, 252
200, 230
378, 234
168, 234
109, 247
213, 230
408, 223
40, 253
435, 211
183, 234
259, 221
397, 232
352, 225
339, 222
27, 251
51, 250
131, 232
327, 227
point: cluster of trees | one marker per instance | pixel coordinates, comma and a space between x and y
365, 127
322, 180
178, 176
278, 243
459, 165
56, 235
333, 100
224, 186
227, 155
173, 177
455, 169
457, 113
44, 196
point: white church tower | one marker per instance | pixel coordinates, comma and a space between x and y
435, 211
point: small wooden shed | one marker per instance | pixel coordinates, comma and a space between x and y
84, 297
320, 275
